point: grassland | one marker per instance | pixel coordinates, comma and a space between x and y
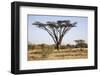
53, 54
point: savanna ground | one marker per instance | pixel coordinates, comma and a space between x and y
53, 54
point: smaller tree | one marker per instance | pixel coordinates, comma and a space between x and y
68, 46
81, 44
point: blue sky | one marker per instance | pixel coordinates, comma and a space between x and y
38, 36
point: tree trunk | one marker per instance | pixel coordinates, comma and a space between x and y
59, 43
57, 46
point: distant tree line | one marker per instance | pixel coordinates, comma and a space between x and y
79, 44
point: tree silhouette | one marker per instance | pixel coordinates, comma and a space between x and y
81, 44
56, 30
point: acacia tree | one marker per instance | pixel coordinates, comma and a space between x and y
56, 30
81, 44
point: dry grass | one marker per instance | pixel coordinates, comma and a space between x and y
51, 54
